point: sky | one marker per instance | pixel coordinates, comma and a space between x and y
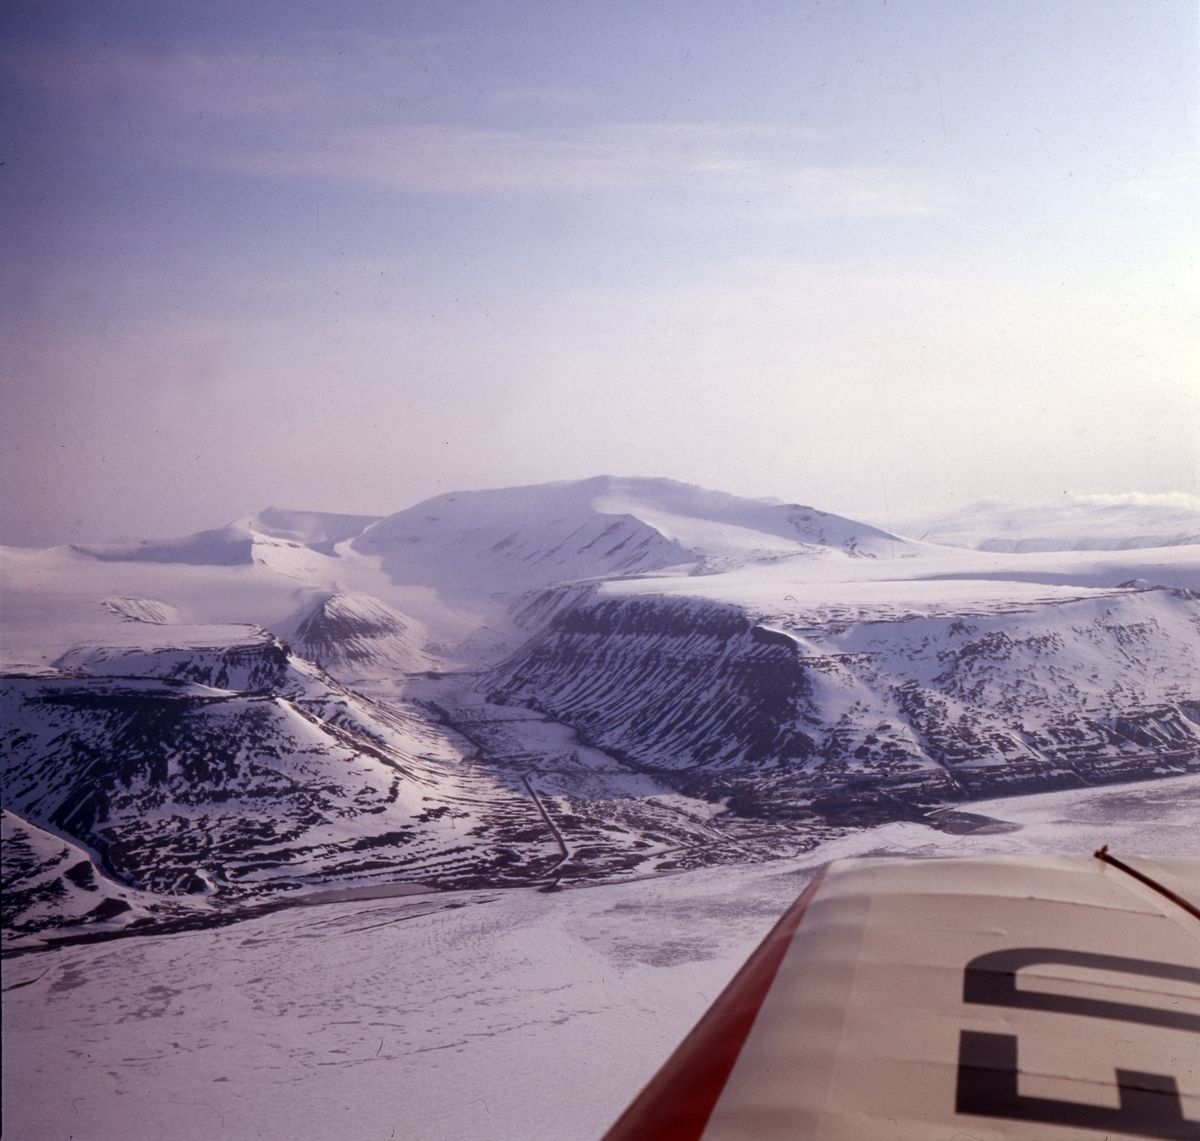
884, 257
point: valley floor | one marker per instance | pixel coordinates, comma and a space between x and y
460, 1016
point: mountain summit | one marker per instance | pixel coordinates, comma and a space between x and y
521, 538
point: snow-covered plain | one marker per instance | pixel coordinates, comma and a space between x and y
467, 1016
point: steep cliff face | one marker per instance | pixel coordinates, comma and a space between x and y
256, 663
675, 683
782, 720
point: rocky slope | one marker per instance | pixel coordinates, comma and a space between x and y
246, 769
553, 683
356, 636
52, 884
873, 720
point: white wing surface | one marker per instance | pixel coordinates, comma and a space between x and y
1035, 997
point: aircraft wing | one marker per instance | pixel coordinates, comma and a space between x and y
1039, 997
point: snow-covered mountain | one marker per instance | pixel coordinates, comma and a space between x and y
566, 681
266, 537
1077, 523
355, 636
142, 610
847, 721
319, 530
478, 544
241, 766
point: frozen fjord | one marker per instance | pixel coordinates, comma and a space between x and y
476, 1015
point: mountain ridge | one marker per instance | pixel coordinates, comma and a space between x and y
564, 682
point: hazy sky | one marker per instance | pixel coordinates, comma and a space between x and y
879, 256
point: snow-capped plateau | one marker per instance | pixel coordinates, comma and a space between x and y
1076, 523
562, 683
482, 543
243, 542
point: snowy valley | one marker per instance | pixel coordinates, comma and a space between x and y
565, 683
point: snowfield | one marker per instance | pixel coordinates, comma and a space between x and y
1077, 523
603, 729
468, 1016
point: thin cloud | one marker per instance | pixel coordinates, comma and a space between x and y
1175, 499
292, 118
695, 158
541, 96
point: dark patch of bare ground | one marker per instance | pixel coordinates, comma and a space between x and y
969, 823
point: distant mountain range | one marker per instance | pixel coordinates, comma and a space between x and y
561, 682
1077, 523
524, 537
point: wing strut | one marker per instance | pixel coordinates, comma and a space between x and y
1190, 908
